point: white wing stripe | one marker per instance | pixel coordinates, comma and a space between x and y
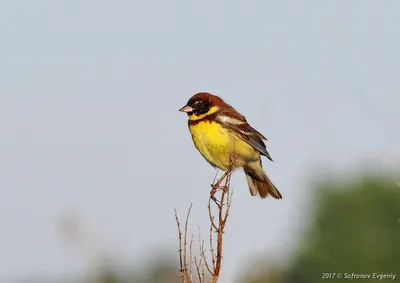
229, 120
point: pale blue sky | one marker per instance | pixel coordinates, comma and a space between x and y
89, 121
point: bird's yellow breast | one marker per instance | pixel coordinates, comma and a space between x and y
217, 144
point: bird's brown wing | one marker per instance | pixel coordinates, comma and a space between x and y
236, 122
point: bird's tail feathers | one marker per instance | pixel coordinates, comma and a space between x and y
259, 182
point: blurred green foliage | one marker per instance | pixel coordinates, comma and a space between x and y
355, 228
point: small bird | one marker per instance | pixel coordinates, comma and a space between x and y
225, 139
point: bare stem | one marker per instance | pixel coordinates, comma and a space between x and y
220, 188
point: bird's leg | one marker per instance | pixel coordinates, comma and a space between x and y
217, 186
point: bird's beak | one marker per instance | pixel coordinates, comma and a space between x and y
186, 109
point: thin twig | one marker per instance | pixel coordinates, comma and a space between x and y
191, 258
213, 225
202, 261
198, 270
185, 246
202, 258
180, 248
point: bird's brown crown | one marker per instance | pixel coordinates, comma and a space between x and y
202, 102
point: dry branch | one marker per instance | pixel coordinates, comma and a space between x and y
217, 226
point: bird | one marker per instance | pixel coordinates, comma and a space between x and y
227, 141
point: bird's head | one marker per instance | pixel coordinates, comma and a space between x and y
201, 105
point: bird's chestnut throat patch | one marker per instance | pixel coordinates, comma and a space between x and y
201, 113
